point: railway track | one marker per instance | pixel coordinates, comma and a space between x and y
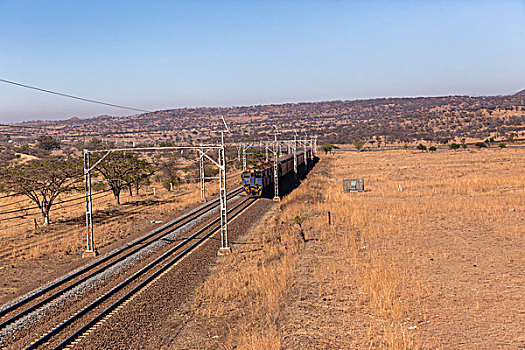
37, 300
97, 311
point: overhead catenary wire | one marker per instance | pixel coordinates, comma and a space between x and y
78, 177
73, 96
52, 209
56, 203
11, 204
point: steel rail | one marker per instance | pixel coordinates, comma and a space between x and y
100, 261
45, 338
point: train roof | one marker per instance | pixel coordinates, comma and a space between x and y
269, 164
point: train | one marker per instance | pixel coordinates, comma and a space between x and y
258, 181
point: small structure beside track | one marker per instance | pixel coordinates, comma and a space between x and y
354, 185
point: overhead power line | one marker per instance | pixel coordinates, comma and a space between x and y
72, 96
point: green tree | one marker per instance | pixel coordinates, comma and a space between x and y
42, 181
140, 176
502, 145
359, 145
454, 146
48, 143
123, 170
328, 147
432, 148
421, 147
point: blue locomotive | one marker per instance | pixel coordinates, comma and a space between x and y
258, 181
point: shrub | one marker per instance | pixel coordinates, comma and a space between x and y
432, 148
359, 145
454, 146
421, 147
481, 145
328, 147
502, 145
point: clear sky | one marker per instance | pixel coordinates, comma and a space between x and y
168, 54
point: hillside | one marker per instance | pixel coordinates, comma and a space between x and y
377, 121
520, 93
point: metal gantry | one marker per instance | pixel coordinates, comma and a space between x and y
202, 174
275, 147
203, 151
90, 246
225, 248
244, 147
275, 168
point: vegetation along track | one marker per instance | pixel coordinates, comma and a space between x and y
13, 315
13, 248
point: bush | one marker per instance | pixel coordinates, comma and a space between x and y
432, 148
359, 145
421, 147
481, 145
502, 145
211, 171
464, 145
454, 146
328, 147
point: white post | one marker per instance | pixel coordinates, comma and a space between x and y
202, 174
90, 243
294, 150
224, 249
275, 171
266, 148
244, 158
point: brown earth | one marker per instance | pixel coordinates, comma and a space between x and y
438, 265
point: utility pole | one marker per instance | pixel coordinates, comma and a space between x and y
276, 197
244, 158
202, 176
225, 248
294, 150
90, 243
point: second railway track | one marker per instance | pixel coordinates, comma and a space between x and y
23, 308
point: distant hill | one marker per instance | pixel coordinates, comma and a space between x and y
520, 93
375, 121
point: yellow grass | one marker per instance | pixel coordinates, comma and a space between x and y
19, 239
369, 248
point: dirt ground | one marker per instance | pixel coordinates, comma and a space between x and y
430, 256
55, 251
463, 250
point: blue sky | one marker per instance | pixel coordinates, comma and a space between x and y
168, 54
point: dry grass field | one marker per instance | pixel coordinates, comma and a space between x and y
438, 265
30, 257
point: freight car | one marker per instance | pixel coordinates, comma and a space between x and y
258, 181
